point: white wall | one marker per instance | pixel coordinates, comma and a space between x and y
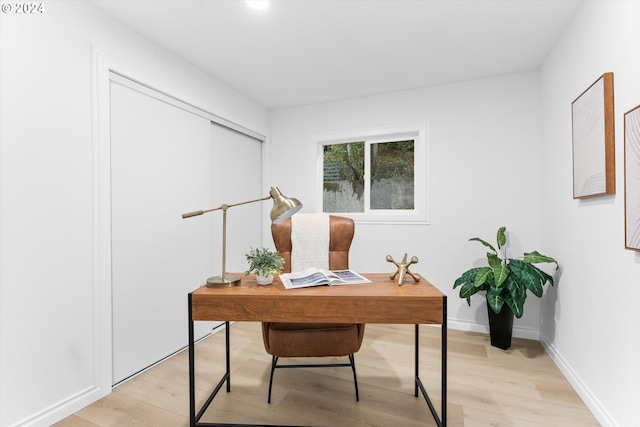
487, 170
590, 322
485, 173
50, 356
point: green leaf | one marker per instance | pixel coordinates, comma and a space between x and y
530, 276
515, 305
494, 260
516, 297
500, 274
501, 237
477, 239
483, 276
468, 276
517, 291
467, 290
495, 301
536, 257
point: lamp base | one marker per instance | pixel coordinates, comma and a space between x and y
222, 282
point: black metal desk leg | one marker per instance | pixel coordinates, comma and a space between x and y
417, 347
443, 409
192, 385
441, 421
195, 415
226, 336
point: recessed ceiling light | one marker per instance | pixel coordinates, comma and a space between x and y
258, 4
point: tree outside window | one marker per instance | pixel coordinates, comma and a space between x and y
364, 176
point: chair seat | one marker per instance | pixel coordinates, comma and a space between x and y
287, 339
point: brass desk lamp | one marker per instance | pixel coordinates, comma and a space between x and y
283, 208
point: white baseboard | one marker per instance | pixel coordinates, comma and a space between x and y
596, 408
64, 408
518, 332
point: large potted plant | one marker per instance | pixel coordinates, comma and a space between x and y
265, 263
505, 282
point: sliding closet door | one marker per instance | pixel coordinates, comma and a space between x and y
160, 168
237, 173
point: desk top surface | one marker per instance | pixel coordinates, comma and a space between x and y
382, 301
381, 285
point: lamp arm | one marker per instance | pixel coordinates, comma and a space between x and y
247, 202
223, 207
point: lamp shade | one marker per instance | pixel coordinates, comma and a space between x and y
283, 207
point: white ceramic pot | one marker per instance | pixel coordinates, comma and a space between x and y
264, 280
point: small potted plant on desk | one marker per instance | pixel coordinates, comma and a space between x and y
505, 280
265, 263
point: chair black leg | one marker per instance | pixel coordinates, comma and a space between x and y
274, 362
352, 363
352, 360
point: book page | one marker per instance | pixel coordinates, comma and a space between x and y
347, 277
302, 279
317, 277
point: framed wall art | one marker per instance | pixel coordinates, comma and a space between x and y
632, 179
593, 140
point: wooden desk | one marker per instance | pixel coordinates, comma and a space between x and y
381, 301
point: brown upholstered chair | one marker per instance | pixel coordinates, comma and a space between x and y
314, 339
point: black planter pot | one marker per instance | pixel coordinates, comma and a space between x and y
500, 326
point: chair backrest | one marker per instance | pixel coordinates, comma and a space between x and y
341, 230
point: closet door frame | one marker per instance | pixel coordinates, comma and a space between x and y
102, 65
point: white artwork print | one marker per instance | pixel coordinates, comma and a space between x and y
632, 178
589, 166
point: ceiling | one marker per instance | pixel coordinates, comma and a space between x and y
299, 52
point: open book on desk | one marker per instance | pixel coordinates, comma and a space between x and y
318, 276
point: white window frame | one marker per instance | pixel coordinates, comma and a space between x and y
416, 131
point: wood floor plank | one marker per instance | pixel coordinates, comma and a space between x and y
486, 386
75, 421
116, 410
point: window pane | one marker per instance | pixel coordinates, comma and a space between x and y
392, 165
343, 182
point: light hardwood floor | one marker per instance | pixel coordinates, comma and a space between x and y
486, 386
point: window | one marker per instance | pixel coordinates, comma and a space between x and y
375, 175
